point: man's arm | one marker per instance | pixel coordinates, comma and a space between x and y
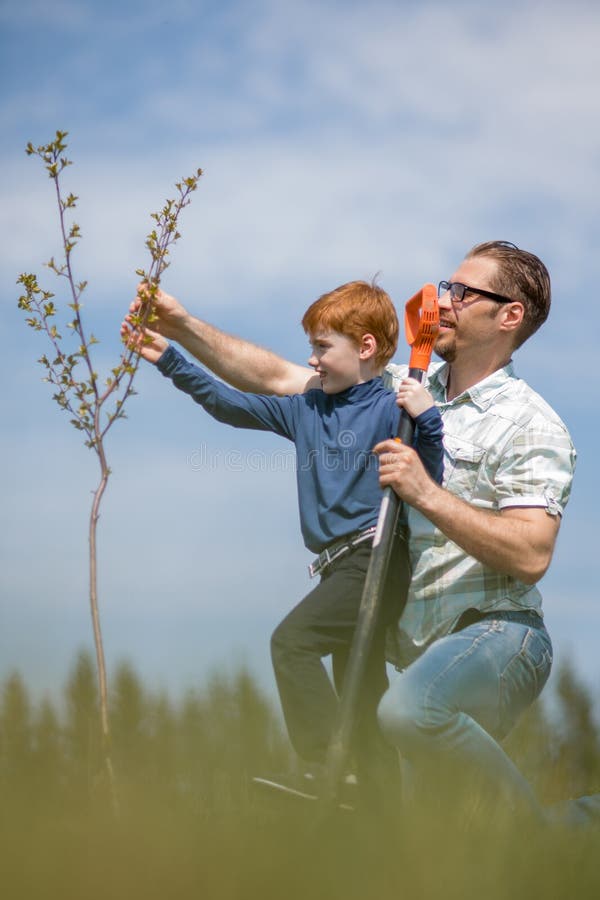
517, 541
246, 366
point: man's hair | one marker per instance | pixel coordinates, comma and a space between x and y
356, 309
521, 276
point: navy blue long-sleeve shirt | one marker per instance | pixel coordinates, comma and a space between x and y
336, 472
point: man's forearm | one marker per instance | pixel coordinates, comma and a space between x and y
517, 541
241, 363
244, 365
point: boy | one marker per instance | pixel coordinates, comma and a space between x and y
353, 333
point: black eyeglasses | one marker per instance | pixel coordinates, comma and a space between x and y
458, 291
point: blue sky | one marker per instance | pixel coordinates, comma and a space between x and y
339, 140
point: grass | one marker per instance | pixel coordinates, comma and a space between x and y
190, 825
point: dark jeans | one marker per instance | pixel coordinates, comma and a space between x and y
323, 624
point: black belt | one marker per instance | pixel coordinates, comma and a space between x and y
524, 617
334, 551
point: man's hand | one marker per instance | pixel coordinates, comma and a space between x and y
401, 469
413, 397
170, 314
149, 344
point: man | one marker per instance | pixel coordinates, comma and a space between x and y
483, 541
472, 641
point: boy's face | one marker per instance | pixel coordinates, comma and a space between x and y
336, 360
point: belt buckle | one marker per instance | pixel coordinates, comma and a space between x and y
327, 557
320, 562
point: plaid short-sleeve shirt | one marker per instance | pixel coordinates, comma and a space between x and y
503, 446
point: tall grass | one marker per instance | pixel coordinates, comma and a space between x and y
191, 826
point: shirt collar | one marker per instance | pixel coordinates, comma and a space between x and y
481, 394
359, 390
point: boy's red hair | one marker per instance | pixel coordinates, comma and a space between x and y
356, 309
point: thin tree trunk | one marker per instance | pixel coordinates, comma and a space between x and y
100, 660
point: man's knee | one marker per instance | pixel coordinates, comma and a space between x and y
402, 716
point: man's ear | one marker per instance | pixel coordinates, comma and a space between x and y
512, 316
368, 346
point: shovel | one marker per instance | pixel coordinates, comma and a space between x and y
421, 322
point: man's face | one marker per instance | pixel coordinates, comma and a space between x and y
336, 360
468, 325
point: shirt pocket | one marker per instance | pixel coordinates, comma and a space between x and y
463, 462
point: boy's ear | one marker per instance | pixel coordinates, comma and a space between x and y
368, 346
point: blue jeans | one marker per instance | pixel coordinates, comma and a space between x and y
461, 696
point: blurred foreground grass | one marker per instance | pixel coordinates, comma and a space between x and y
190, 825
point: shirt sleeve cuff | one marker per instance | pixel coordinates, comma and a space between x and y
165, 362
429, 416
546, 501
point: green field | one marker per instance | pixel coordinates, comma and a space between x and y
189, 824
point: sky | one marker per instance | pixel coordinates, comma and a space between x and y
339, 140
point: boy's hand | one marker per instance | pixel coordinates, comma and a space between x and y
413, 397
149, 344
168, 311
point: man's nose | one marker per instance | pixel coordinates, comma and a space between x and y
445, 301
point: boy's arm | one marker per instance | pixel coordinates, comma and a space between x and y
429, 431
428, 442
246, 366
222, 402
253, 411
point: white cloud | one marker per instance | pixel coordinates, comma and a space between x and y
414, 128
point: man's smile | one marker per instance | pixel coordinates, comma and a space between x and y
446, 323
